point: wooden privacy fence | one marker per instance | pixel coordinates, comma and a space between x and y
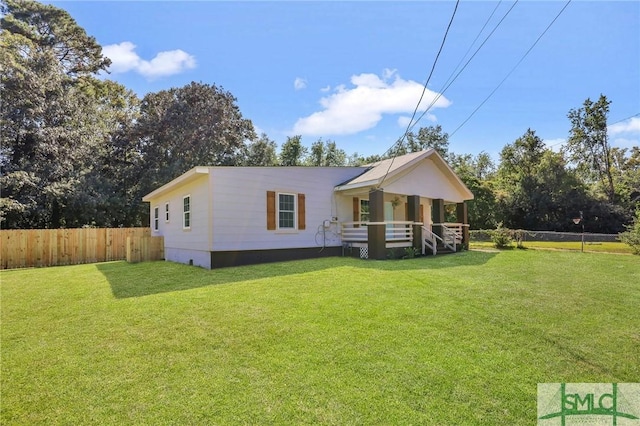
24, 248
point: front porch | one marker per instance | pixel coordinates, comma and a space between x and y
375, 236
399, 234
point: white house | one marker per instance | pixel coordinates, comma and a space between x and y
222, 216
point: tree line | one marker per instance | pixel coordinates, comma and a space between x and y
81, 150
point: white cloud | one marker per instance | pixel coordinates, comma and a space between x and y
352, 110
326, 89
631, 125
124, 59
300, 83
625, 142
555, 144
403, 121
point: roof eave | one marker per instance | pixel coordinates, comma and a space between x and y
180, 180
373, 182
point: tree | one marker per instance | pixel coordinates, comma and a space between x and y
50, 115
631, 236
52, 31
588, 145
180, 128
626, 176
427, 137
326, 154
293, 152
261, 152
535, 189
477, 173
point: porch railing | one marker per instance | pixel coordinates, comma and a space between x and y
395, 231
400, 233
430, 241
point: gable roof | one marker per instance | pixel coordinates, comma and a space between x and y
392, 167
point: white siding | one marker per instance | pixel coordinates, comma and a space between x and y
240, 208
200, 258
195, 239
428, 181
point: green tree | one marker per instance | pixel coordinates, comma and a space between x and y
626, 176
631, 236
52, 31
326, 154
50, 116
535, 189
478, 174
426, 138
261, 152
588, 144
292, 152
180, 128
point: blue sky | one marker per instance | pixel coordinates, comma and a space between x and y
353, 72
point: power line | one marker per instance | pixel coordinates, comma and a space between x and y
624, 119
449, 83
615, 122
424, 89
513, 69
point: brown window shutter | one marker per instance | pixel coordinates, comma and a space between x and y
406, 211
271, 210
301, 212
422, 213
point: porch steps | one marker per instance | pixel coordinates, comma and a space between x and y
441, 249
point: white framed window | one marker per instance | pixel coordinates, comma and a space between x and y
286, 211
166, 212
186, 212
156, 215
364, 210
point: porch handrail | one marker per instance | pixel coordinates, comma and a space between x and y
429, 240
450, 237
455, 228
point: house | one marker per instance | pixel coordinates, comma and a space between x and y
223, 216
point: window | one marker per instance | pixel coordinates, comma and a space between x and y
286, 211
186, 212
156, 214
364, 210
166, 212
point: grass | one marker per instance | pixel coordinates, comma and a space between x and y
456, 339
603, 247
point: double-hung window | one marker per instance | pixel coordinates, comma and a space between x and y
364, 210
186, 212
286, 211
166, 212
156, 218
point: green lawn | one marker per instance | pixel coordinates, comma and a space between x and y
603, 247
455, 339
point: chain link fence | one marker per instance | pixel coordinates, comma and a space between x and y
524, 236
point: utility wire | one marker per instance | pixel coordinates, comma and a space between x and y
514, 68
448, 83
424, 89
615, 122
624, 119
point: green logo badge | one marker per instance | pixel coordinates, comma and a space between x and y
566, 404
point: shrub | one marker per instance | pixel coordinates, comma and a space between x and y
632, 236
411, 252
501, 237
